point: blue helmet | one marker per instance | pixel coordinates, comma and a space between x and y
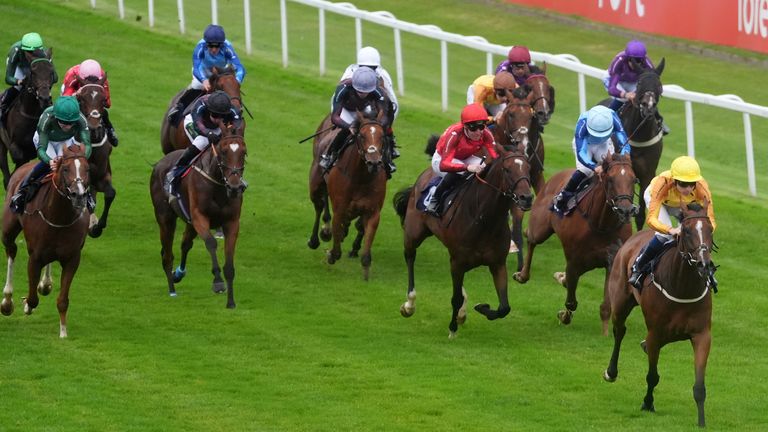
636, 49
214, 34
600, 121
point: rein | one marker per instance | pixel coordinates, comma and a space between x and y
510, 192
221, 165
79, 214
609, 201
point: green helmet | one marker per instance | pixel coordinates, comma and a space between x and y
66, 109
31, 42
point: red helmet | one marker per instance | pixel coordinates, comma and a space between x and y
472, 113
519, 54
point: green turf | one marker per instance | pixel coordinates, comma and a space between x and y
313, 347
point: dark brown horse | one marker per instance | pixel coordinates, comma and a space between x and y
93, 98
212, 191
676, 300
173, 137
24, 113
475, 229
643, 128
356, 186
55, 224
591, 233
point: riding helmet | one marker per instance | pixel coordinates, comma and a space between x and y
31, 42
89, 68
214, 34
218, 103
364, 80
636, 49
600, 121
473, 113
685, 169
504, 80
368, 56
66, 109
519, 54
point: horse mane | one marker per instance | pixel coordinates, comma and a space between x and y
431, 145
694, 206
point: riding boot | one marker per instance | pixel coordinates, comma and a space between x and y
664, 127
560, 202
390, 154
446, 184
28, 188
5, 103
646, 256
174, 174
187, 98
329, 157
111, 136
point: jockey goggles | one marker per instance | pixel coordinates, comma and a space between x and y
213, 45
500, 92
475, 126
685, 184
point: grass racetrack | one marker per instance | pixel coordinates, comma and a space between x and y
313, 347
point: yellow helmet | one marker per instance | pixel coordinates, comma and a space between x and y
686, 169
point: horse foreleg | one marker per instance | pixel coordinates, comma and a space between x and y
358, 242
231, 231
320, 203
6, 307
409, 307
338, 230
325, 232
167, 230
620, 309
33, 277
571, 282
45, 285
523, 275
652, 377
371, 226
109, 196
499, 273
4, 159
202, 227
701, 343
68, 270
187, 240
457, 299
11, 229
517, 235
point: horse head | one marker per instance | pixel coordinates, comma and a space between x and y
619, 181
515, 122
41, 76
514, 171
93, 100
695, 242
71, 177
649, 90
542, 97
224, 79
369, 139
230, 153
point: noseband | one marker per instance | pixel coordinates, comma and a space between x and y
371, 149
695, 256
237, 171
613, 201
509, 192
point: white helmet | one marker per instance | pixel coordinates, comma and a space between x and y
368, 56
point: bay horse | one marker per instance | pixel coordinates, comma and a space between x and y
173, 137
542, 99
55, 224
512, 130
212, 191
676, 300
592, 232
93, 98
475, 229
355, 186
643, 128
21, 120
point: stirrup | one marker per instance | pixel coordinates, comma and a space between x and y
325, 162
635, 279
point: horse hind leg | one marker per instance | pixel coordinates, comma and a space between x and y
6, 307
701, 344
11, 229
45, 285
571, 282
68, 270
652, 377
96, 230
358, 242
33, 277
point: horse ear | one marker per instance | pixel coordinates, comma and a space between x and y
49, 53
660, 68
551, 99
543, 68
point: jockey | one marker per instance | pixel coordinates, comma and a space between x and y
456, 152
623, 73
482, 92
213, 50
89, 71
201, 126
518, 63
591, 143
17, 68
361, 93
60, 125
667, 192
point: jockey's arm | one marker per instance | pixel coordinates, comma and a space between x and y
232, 57
84, 135
621, 135
10, 65
659, 190
489, 143
197, 62
338, 99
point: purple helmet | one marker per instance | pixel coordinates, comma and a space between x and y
635, 48
214, 34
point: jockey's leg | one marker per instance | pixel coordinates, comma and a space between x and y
111, 136
5, 103
327, 158
174, 174
29, 187
649, 253
390, 151
561, 200
664, 127
189, 95
446, 184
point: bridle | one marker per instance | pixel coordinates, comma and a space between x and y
512, 135
222, 166
371, 149
541, 79
510, 191
695, 257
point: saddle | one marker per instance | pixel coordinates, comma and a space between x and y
445, 202
581, 190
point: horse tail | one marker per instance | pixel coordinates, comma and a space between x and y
431, 145
400, 202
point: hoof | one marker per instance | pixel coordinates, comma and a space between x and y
179, 274
647, 407
353, 254
95, 231
44, 288
565, 316
608, 377
218, 287
407, 311
27, 310
451, 335
513, 247
6, 307
644, 346
519, 277
560, 278
313, 243
173, 294
325, 235
331, 258
230, 305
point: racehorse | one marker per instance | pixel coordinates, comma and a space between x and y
173, 137
643, 127
591, 233
356, 186
676, 300
93, 97
55, 224
542, 99
512, 130
22, 117
474, 229
212, 191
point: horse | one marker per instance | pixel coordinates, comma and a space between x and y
512, 129
55, 224
643, 128
355, 185
173, 137
475, 229
675, 299
212, 189
22, 117
542, 99
592, 232
92, 98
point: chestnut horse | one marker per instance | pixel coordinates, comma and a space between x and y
591, 233
212, 189
356, 186
24, 113
93, 98
676, 300
173, 137
475, 229
55, 224
542, 98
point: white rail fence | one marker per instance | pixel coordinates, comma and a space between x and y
565, 61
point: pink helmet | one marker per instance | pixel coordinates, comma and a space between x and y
90, 68
519, 54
